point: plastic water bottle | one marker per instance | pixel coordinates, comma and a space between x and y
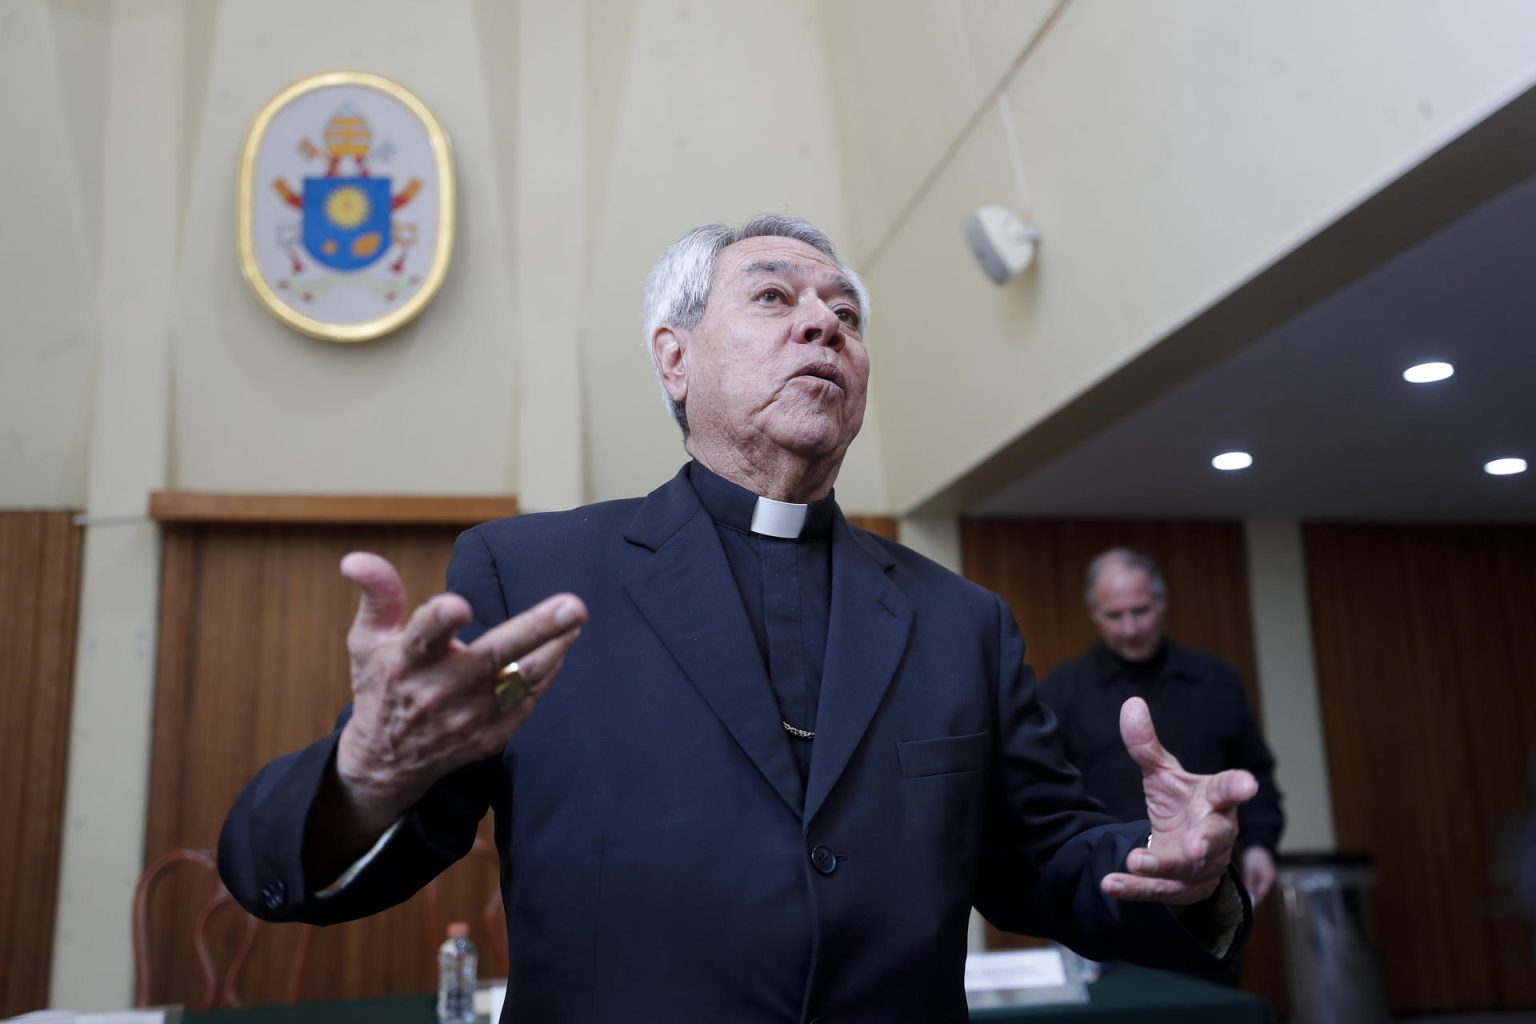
458, 967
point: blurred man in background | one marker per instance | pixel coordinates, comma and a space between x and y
1197, 700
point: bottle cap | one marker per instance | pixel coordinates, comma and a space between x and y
458, 930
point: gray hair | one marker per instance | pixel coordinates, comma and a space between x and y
1130, 559
677, 289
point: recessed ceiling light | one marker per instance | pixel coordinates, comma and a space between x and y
1504, 467
1232, 460
1425, 373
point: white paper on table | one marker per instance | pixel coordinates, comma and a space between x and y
488, 1001
110, 1017
1013, 969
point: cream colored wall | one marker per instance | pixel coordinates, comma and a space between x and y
428, 409
700, 112
548, 236
53, 55
909, 78
664, 143
1282, 642
1169, 152
111, 710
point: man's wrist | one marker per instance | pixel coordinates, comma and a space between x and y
346, 819
370, 798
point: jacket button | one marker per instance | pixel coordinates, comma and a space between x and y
272, 894
824, 860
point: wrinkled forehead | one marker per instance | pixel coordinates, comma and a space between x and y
771, 256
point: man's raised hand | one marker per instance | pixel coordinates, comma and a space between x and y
1194, 820
422, 701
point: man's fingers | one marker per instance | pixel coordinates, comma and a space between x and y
1189, 853
522, 636
432, 627
1136, 889
1231, 788
538, 670
1256, 881
382, 605
540, 666
1140, 738
1211, 839
1143, 862
1258, 872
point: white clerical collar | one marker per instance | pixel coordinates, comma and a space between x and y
781, 519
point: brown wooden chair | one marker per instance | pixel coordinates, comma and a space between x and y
492, 918
220, 984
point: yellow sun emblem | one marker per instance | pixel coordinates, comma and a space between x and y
347, 207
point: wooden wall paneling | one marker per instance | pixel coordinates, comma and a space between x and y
171, 914
1429, 712
252, 664
40, 554
1501, 693
1037, 567
884, 526
315, 509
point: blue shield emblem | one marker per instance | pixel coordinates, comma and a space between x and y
346, 220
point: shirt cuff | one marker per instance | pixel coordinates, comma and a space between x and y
1216, 922
362, 862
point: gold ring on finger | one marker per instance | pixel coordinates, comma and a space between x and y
511, 687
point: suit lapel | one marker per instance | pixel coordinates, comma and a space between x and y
867, 635
686, 593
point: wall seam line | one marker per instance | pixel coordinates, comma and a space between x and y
965, 132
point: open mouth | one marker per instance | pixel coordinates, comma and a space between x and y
824, 371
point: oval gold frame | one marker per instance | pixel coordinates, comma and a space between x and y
442, 155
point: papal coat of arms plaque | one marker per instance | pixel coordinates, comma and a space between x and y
345, 206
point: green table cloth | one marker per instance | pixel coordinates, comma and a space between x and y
1125, 993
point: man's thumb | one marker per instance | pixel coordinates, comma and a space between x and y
382, 605
1140, 738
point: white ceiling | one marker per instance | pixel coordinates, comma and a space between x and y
1320, 402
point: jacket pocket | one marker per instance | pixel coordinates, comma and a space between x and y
945, 755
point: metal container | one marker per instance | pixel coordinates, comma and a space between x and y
1330, 939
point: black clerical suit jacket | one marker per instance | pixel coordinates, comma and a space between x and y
661, 858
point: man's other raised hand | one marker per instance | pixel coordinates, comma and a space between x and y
1194, 820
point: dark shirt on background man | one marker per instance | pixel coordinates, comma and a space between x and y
1202, 716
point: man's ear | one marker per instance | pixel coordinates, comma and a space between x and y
669, 350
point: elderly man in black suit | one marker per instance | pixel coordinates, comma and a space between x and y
784, 758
